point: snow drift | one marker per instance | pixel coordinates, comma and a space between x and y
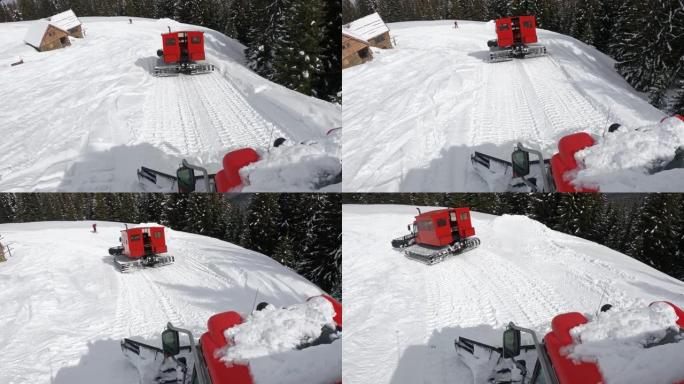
64, 307
415, 114
86, 117
402, 317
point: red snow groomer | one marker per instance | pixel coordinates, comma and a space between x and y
199, 363
548, 357
182, 52
516, 37
140, 248
436, 235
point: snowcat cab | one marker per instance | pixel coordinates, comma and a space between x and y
550, 363
516, 38
436, 235
181, 53
141, 247
198, 363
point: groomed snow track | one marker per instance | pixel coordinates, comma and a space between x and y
199, 114
415, 114
402, 317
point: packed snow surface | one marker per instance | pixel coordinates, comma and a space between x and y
64, 306
86, 117
402, 317
617, 341
415, 114
268, 342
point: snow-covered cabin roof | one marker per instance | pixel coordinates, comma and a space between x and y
65, 20
35, 33
354, 36
367, 27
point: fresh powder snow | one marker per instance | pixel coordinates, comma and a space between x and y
268, 342
625, 345
402, 317
86, 117
415, 114
64, 306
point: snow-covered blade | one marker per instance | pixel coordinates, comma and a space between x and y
632, 346
297, 344
402, 327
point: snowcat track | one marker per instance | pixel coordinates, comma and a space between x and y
431, 256
126, 266
189, 69
531, 51
404, 241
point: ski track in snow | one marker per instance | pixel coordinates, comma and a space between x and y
61, 295
415, 114
522, 272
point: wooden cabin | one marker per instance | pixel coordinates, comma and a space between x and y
44, 36
355, 50
372, 29
68, 21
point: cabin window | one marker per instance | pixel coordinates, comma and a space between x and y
170, 42
196, 40
527, 24
464, 216
363, 53
135, 237
441, 222
157, 235
503, 27
425, 225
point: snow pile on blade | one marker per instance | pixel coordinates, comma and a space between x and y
269, 340
622, 345
625, 160
297, 168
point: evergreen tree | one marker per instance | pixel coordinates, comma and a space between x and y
261, 228
321, 258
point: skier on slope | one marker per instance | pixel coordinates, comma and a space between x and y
94, 228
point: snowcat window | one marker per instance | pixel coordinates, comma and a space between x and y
425, 225
170, 42
537, 375
135, 237
527, 24
441, 222
196, 40
464, 216
504, 27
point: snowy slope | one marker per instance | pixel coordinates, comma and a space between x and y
402, 317
414, 115
86, 117
64, 307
